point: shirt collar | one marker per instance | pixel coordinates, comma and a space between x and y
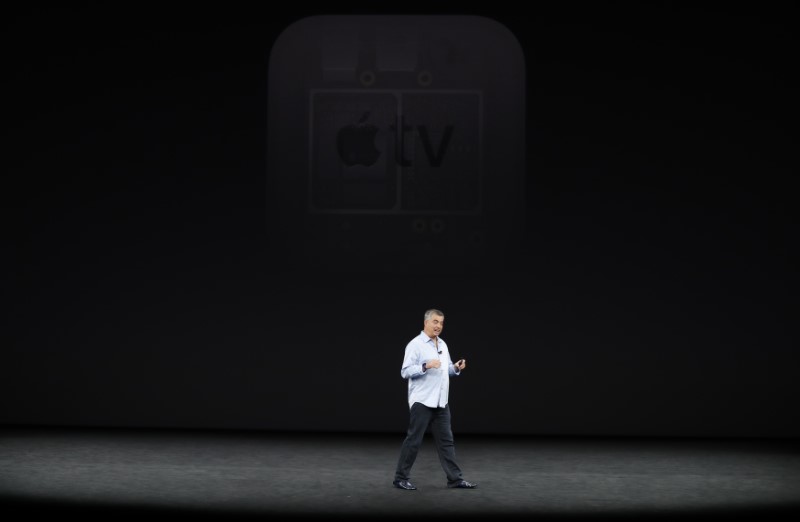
425, 337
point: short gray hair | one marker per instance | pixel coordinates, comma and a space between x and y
433, 311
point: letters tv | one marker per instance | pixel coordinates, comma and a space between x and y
395, 151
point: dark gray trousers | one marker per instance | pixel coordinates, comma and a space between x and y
438, 419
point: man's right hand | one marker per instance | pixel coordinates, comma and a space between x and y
433, 363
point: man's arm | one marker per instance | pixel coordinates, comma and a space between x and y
412, 365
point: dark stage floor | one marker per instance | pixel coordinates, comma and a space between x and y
113, 472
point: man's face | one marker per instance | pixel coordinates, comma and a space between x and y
434, 325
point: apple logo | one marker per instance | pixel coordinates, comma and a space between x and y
356, 143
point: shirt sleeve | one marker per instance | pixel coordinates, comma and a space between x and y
412, 365
452, 367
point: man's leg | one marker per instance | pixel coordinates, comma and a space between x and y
420, 416
443, 435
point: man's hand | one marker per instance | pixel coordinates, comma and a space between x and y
460, 365
433, 363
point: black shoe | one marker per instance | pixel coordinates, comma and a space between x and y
462, 484
404, 484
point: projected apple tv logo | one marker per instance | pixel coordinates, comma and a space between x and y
356, 143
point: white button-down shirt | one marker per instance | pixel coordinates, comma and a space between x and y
432, 386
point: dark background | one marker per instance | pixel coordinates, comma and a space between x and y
652, 295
